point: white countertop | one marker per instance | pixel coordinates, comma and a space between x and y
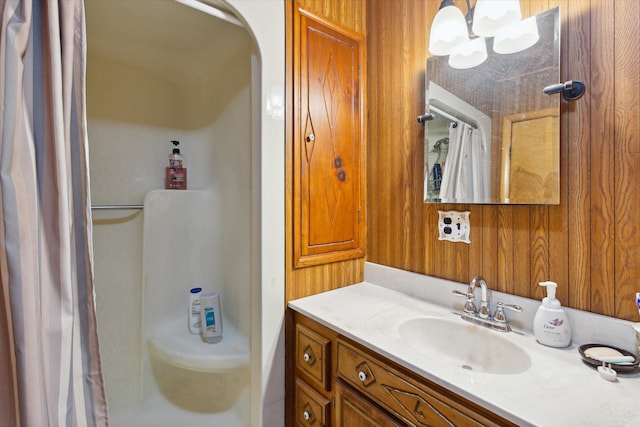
557, 390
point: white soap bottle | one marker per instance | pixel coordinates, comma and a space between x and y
194, 310
551, 324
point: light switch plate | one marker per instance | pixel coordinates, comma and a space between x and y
454, 226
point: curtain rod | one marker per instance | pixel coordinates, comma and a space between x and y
449, 116
116, 207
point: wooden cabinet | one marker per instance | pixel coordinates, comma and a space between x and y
312, 408
310, 374
328, 141
340, 383
352, 410
312, 356
415, 402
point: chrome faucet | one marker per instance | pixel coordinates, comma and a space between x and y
482, 315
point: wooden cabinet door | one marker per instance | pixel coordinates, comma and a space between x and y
530, 170
311, 408
352, 410
328, 164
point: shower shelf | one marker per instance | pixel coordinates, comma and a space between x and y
173, 344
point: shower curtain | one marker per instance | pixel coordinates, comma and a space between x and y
50, 371
465, 176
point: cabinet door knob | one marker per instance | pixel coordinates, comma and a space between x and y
362, 376
306, 357
311, 137
306, 415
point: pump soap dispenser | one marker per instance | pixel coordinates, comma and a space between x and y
551, 324
175, 176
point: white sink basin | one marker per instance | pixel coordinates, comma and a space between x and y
465, 344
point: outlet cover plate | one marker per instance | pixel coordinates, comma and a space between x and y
454, 226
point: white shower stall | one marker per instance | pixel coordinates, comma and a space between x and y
164, 70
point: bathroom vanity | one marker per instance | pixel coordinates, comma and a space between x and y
359, 358
339, 379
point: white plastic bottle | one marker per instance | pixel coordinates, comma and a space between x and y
194, 310
210, 317
551, 324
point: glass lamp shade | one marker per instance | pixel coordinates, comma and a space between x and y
448, 30
517, 37
491, 16
469, 55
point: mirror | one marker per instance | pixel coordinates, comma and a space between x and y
495, 137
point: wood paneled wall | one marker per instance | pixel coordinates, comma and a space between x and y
590, 242
306, 281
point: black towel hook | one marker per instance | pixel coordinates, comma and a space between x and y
426, 117
571, 89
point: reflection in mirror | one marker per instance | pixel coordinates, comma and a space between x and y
495, 137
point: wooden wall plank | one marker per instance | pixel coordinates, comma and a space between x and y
602, 119
413, 131
522, 257
558, 250
489, 266
579, 54
475, 250
539, 253
505, 247
627, 157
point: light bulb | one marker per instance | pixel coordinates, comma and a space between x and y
469, 55
490, 16
517, 37
448, 30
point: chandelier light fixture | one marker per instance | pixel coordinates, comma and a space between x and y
463, 38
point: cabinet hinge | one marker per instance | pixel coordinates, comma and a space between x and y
334, 402
358, 216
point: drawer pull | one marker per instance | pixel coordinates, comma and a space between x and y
365, 375
309, 356
308, 414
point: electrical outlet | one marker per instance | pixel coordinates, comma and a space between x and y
454, 226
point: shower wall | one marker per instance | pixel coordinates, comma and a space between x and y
136, 105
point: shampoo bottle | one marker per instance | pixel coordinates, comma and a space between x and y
175, 175
194, 310
210, 317
551, 324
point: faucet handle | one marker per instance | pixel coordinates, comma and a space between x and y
470, 305
499, 314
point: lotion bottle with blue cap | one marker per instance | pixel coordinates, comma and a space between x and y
551, 324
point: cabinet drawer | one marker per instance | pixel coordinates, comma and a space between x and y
313, 356
354, 410
311, 408
409, 400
